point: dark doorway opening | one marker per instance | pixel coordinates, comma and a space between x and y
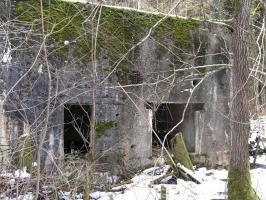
167, 115
76, 128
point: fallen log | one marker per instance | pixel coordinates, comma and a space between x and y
189, 173
158, 180
179, 171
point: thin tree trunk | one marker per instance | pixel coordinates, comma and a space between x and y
239, 183
90, 158
43, 134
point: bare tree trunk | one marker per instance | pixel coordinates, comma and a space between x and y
239, 184
43, 134
90, 158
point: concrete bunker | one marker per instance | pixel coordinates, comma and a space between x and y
152, 72
167, 115
76, 128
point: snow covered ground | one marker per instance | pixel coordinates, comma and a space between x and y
213, 185
258, 128
12, 178
258, 176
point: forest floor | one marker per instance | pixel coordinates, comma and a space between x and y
212, 187
145, 185
142, 186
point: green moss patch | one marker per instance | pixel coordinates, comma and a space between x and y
25, 152
62, 22
239, 184
199, 159
119, 29
125, 28
180, 151
103, 126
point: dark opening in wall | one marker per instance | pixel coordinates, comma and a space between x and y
195, 82
168, 115
76, 128
135, 77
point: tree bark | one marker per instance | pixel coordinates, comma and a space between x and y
239, 183
91, 154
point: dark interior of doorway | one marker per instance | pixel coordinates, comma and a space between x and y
167, 115
76, 128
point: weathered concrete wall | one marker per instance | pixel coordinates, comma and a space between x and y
213, 133
216, 136
161, 80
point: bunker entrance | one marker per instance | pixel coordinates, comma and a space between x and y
167, 115
76, 128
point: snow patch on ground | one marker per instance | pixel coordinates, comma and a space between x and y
28, 196
258, 176
213, 185
18, 174
140, 188
258, 128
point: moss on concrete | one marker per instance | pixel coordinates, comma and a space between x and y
119, 29
180, 151
25, 153
126, 27
103, 126
199, 159
239, 183
62, 22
